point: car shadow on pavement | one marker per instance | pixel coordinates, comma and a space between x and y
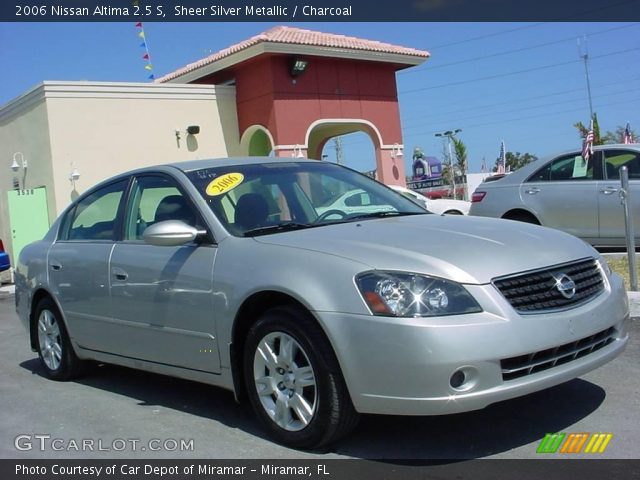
395, 439
496, 429
151, 389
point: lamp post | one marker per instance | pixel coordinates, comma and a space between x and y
449, 134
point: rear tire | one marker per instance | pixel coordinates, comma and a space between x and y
453, 212
53, 344
293, 380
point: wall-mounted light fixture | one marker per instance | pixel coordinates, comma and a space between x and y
15, 166
74, 175
297, 67
396, 152
190, 130
297, 152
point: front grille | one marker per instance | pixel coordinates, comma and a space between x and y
536, 291
523, 365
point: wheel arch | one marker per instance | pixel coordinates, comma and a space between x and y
520, 214
39, 294
248, 313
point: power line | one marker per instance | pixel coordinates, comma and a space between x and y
542, 105
516, 72
516, 101
487, 35
510, 120
429, 68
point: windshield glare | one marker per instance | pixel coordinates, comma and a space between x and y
274, 197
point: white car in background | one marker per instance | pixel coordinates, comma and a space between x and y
354, 201
441, 206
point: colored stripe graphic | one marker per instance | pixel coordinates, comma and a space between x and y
574, 443
598, 443
550, 443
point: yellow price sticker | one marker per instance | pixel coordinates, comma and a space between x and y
224, 183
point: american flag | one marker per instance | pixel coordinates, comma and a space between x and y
628, 138
502, 158
587, 145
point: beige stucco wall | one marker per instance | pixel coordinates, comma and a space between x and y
24, 128
104, 128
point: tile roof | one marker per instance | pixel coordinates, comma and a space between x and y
298, 36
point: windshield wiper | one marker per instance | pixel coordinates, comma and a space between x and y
281, 227
383, 214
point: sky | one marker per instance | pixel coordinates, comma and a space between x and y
523, 83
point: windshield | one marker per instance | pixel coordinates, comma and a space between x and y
279, 196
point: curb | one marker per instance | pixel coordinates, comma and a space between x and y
634, 303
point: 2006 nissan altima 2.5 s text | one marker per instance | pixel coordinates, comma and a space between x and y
223, 271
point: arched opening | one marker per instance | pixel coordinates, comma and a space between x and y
256, 141
384, 162
352, 143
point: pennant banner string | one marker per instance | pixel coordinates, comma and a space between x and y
145, 45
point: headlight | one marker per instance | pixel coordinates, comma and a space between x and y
413, 295
605, 266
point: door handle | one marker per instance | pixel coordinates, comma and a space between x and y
608, 190
119, 273
55, 266
532, 191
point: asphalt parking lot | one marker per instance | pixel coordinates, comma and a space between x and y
117, 403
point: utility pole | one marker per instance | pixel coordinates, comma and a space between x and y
337, 141
449, 134
585, 57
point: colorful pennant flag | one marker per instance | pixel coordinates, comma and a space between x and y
146, 56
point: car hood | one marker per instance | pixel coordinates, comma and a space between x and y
464, 249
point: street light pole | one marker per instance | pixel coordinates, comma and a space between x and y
450, 134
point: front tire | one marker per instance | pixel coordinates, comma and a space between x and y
53, 344
293, 380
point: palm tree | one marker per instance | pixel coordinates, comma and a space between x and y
461, 161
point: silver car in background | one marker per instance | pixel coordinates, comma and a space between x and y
567, 193
223, 271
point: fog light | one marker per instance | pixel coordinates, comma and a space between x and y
457, 379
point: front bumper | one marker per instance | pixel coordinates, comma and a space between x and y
403, 366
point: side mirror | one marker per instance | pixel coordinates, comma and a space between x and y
170, 233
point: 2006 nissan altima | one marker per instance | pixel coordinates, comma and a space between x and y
222, 271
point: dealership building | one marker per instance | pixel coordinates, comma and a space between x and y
284, 92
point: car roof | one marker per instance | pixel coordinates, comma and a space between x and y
191, 165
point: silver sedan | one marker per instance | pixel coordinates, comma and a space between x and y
224, 272
568, 193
